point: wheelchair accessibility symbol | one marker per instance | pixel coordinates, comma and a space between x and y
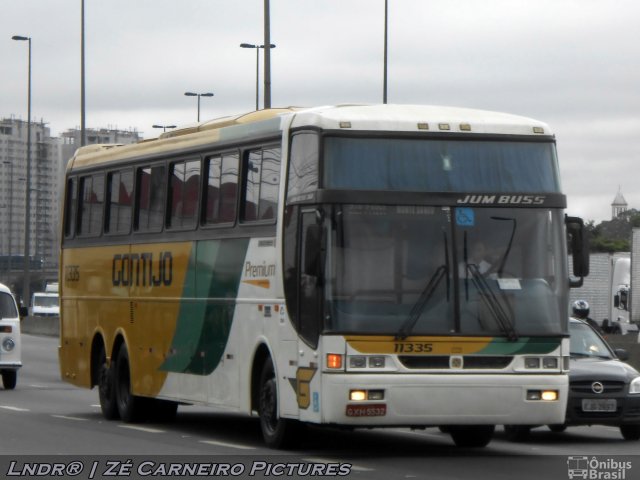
465, 217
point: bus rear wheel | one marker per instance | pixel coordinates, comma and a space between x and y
131, 408
471, 436
277, 432
106, 388
9, 379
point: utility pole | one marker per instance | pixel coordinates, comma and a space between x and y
267, 56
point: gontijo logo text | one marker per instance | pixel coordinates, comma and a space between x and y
142, 269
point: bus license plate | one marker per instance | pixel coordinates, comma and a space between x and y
373, 410
599, 405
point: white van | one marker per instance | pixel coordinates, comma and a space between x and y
10, 359
45, 304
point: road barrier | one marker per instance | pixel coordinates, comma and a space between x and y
49, 326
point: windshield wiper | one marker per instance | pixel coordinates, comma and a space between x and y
509, 245
421, 303
491, 302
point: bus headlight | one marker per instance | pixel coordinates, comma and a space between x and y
8, 344
634, 386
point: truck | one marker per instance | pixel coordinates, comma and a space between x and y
613, 289
618, 320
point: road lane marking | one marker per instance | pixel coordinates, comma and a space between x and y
229, 445
142, 429
15, 409
64, 417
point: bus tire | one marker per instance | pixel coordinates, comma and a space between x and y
9, 379
131, 408
107, 388
471, 436
277, 432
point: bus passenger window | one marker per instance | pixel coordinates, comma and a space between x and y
262, 181
221, 193
70, 208
90, 207
184, 186
119, 201
150, 190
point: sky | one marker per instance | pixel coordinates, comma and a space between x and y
574, 64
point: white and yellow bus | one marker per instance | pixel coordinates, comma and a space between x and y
317, 266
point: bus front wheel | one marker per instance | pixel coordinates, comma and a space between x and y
277, 432
130, 407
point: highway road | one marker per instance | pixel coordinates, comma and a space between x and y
44, 417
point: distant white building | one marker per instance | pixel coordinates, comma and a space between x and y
619, 205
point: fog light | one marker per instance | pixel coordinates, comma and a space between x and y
534, 394
550, 395
376, 362
531, 362
550, 362
375, 395
357, 395
8, 344
357, 362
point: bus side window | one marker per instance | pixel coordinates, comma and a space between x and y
70, 208
91, 201
184, 185
119, 202
150, 192
221, 189
261, 184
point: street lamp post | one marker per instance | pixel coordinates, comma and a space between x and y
257, 47
384, 81
27, 208
191, 94
164, 127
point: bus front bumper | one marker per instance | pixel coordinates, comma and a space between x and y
430, 400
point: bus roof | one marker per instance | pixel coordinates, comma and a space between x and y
406, 118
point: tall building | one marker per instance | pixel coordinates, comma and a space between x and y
619, 205
44, 200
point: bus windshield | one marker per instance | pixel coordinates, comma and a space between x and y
410, 164
416, 270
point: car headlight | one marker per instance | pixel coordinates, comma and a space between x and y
9, 344
634, 386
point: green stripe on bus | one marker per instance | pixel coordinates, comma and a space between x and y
207, 309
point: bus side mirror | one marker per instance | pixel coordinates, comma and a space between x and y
23, 312
579, 244
616, 301
312, 245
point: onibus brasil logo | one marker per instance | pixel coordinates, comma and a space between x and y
597, 469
